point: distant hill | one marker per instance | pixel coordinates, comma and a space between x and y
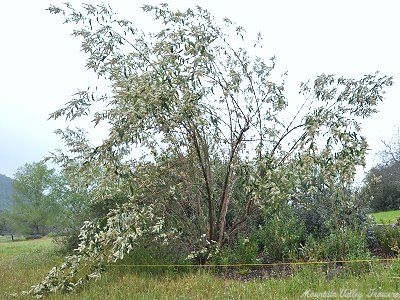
6, 190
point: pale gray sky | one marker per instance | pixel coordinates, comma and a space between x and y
41, 66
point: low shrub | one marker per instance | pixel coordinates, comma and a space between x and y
280, 237
67, 242
349, 245
388, 238
245, 251
344, 244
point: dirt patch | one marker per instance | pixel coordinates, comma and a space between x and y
256, 272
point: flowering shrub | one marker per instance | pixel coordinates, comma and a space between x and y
198, 136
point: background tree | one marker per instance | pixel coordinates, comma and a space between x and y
391, 154
34, 210
74, 207
72, 200
199, 140
5, 228
384, 184
383, 181
325, 209
6, 191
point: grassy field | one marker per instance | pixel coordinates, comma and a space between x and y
387, 217
24, 263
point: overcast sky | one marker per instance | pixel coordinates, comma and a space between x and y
41, 66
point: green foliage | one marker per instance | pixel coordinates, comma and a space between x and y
154, 253
281, 236
244, 251
68, 241
383, 182
34, 210
6, 191
388, 237
344, 244
4, 224
324, 207
73, 199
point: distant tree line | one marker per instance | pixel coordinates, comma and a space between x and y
6, 191
42, 202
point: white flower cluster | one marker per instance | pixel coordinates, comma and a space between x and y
206, 249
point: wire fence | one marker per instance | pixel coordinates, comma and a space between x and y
298, 263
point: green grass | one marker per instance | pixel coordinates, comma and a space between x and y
25, 263
387, 217
7, 238
20, 248
203, 285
